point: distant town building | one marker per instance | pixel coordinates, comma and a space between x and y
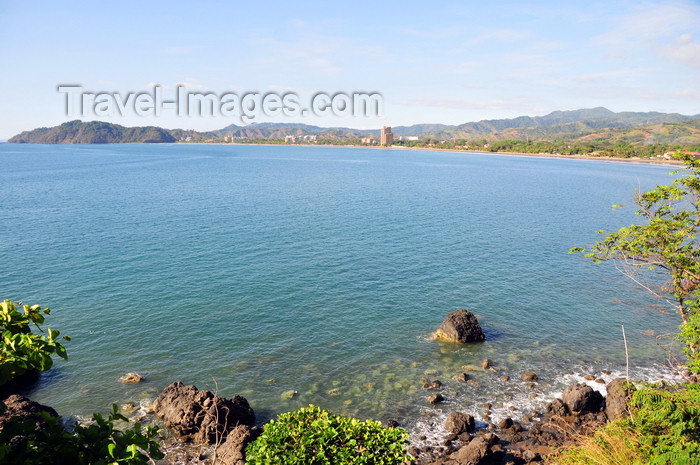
290, 139
310, 138
387, 137
368, 140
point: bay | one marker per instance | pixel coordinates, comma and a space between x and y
256, 270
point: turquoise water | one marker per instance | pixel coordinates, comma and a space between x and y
324, 270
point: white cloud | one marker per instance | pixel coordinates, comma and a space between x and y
689, 93
615, 75
192, 83
498, 35
684, 50
661, 28
494, 104
181, 50
438, 33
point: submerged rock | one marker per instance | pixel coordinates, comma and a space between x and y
460, 326
131, 378
434, 385
200, 415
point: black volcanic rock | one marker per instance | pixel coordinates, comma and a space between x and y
460, 326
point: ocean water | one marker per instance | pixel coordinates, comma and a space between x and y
257, 270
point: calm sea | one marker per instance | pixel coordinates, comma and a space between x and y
258, 270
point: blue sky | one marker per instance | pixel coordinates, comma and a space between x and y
433, 62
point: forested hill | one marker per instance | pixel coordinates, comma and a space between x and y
576, 126
93, 132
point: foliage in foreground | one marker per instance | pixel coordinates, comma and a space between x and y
669, 240
25, 443
311, 436
22, 350
98, 443
664, 429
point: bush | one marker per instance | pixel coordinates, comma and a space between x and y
669, 424
98, 443
21, 350
314, 436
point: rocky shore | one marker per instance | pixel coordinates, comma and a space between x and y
579, 411
206, 428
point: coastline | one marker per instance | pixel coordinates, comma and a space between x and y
464, 151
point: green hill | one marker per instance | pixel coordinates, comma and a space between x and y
94, 132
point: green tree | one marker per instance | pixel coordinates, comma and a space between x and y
668, 241
22, 350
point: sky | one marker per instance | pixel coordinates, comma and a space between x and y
431, 62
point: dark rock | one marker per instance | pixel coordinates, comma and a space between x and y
462, 377
557, 408
392, 424
531, 456
460, 326
435, 399
200, 415
433, 385
580, 398
465, 437
459, 422
20, 410
619, 391
505, 423
505, 378
24, 409
232, 451
478, 449
20, 383
451, 437
529, 376
486, 363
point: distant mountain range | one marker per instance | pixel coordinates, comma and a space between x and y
584, 124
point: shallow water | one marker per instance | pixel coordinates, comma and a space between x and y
256, 270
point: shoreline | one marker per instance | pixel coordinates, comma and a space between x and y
429, 149
431, 443
480, 152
